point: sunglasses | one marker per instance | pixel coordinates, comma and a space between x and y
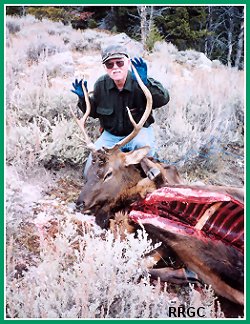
110, 65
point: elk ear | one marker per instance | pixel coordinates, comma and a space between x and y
135, 157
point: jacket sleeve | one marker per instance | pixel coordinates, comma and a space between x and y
160, 95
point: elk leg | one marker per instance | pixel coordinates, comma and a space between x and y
160, 173
176, 276
205, 259
151, 170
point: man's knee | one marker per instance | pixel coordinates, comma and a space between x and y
152, 152
145, 138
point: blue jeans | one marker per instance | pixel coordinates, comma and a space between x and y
144, 138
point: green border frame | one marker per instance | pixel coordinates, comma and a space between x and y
115, 2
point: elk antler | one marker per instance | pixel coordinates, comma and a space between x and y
137, 127
82, 121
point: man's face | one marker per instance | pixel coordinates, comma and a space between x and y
117, 69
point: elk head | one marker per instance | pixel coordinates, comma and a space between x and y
112, 176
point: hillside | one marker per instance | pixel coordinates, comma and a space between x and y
200, 131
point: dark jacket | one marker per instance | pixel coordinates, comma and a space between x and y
109, 104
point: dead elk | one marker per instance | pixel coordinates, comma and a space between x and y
192, 221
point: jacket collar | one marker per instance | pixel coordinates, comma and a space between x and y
127, 85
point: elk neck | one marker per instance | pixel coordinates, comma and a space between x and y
136, 184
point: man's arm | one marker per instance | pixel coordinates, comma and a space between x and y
159, 93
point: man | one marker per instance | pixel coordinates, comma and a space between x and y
115, 91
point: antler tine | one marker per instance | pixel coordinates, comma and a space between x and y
137, 127
81, 122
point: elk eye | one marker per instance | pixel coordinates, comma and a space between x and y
108, 175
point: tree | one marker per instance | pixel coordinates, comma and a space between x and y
239, 53
183, 26
225, 37
153, 37
146, 14
218, 31
16, 10
144, 25
148, 29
